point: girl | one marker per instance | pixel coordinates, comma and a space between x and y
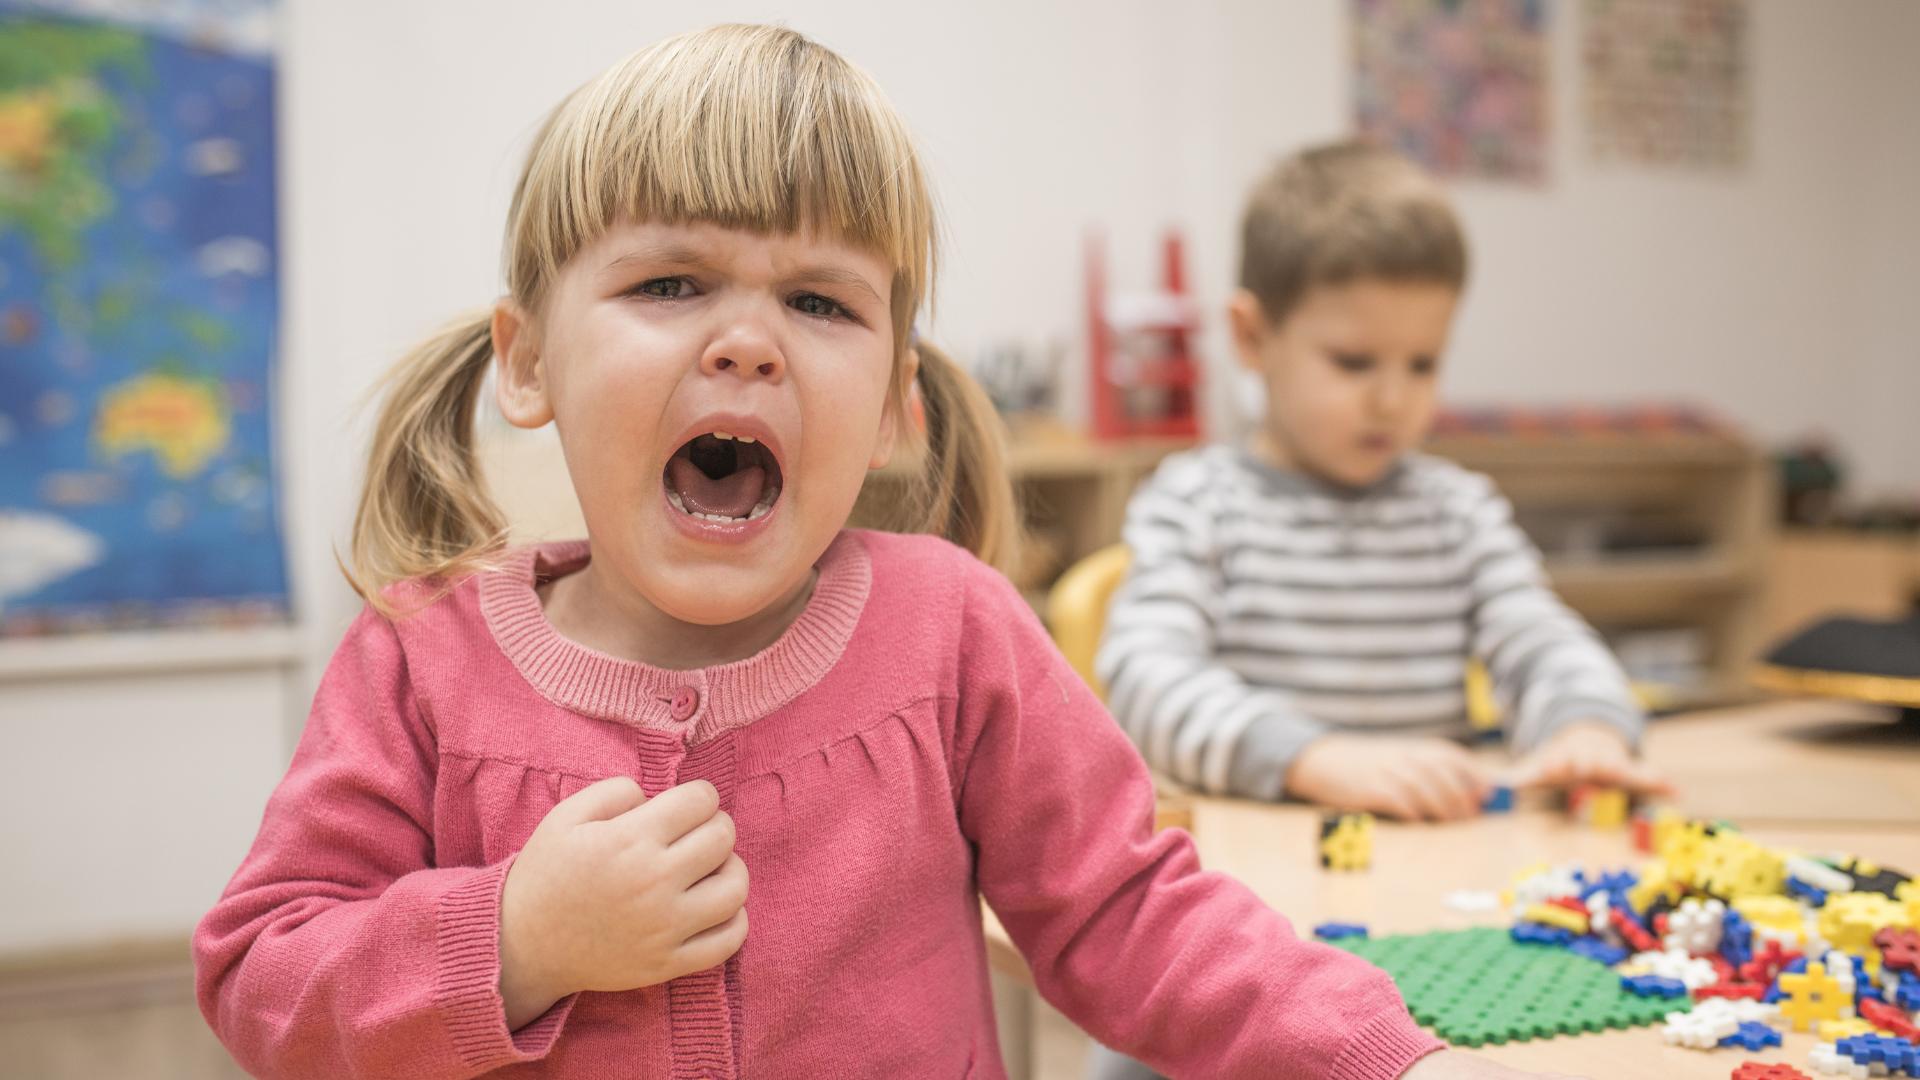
518, 829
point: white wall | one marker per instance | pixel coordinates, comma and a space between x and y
1778, 294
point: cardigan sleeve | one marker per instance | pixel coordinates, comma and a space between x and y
339, 948
1184, 969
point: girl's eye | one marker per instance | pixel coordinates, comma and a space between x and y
665, 288
1424, 365
815, 304
1355, 363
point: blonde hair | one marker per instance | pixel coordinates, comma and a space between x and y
750, 127
1342, 211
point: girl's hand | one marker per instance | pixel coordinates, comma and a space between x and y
1590, 752
615, 891
1414, 779
1457, 1065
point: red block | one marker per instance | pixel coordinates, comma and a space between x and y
1754, 1070
1899, 949
1750, 991
1888, 1018
1571, 903
1638, 938
1766, 964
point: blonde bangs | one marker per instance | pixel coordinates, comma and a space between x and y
750, 127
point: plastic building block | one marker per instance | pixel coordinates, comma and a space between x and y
1633, 933
1701, 1029
1736, 939
1600, 807
1905, 991
1811, 996
1889, 1019
1874, 879
1472, 901
1826, 1059
1754, 1070
1694, 927
1733, 866
1599, 951
1692, 972
1752, 1036
1768, 963
1899, 948
1821, 876
1550, 914
1346, 841
1883, 1050
1653, 986
1475, 987
1843, 1028
1529, 933
1731, 991
1334, 931
1812, 894
1499, 800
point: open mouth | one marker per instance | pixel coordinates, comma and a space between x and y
723, 477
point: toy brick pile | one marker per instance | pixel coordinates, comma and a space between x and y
1743, 939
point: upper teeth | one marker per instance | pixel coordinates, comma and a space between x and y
728, 436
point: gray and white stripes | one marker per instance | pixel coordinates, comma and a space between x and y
1264, 608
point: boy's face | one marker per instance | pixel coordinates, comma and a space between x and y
1350, 373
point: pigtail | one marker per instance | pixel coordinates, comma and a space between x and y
964, 493
425, 511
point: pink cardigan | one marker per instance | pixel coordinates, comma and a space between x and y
912, 742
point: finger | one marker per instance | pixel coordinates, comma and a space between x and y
599, 801
673, 813
1467, 781
703, 850
1425, 792
711, 947
1393, 798
1646, 779
713, 899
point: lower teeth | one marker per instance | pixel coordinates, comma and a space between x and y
759, 510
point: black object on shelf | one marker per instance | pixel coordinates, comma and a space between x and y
1855, 659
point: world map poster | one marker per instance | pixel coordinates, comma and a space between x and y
139, 301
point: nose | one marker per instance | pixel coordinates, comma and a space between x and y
1390, 393
746, 349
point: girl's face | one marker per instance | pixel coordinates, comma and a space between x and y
719, 394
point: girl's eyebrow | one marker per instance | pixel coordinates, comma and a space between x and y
834, 275
665, 252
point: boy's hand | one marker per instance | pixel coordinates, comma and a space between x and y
1412, 779
1457, 1065
1588, 752
615, 891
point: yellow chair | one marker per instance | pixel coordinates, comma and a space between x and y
1077, 607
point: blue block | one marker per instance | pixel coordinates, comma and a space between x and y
1595, 949
1653, 986
1334, 931
1811, 894
1736, 938
1752, 1036
1499, 800
1894, 1053
1774, 995
1906, 993
1530, 933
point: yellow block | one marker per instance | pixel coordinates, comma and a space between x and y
1844, 1028
1552, 915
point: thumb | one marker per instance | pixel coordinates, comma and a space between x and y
599, 801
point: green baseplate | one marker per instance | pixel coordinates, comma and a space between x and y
1474, 987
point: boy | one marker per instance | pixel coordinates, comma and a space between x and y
1300, 610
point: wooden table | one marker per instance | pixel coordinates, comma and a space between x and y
1788, 767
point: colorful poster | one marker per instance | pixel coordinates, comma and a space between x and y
1666, 81
138, 314
1458, 85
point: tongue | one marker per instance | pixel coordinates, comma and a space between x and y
733, 495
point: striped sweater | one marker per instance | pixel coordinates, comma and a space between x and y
1264, 608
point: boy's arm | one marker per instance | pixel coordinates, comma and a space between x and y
1183, 969
1549, 669
338, 949
1193, 718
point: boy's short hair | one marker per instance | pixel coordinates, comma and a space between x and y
1346, 210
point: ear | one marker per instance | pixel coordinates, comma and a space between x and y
520, 382
891, 418
1247, 321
